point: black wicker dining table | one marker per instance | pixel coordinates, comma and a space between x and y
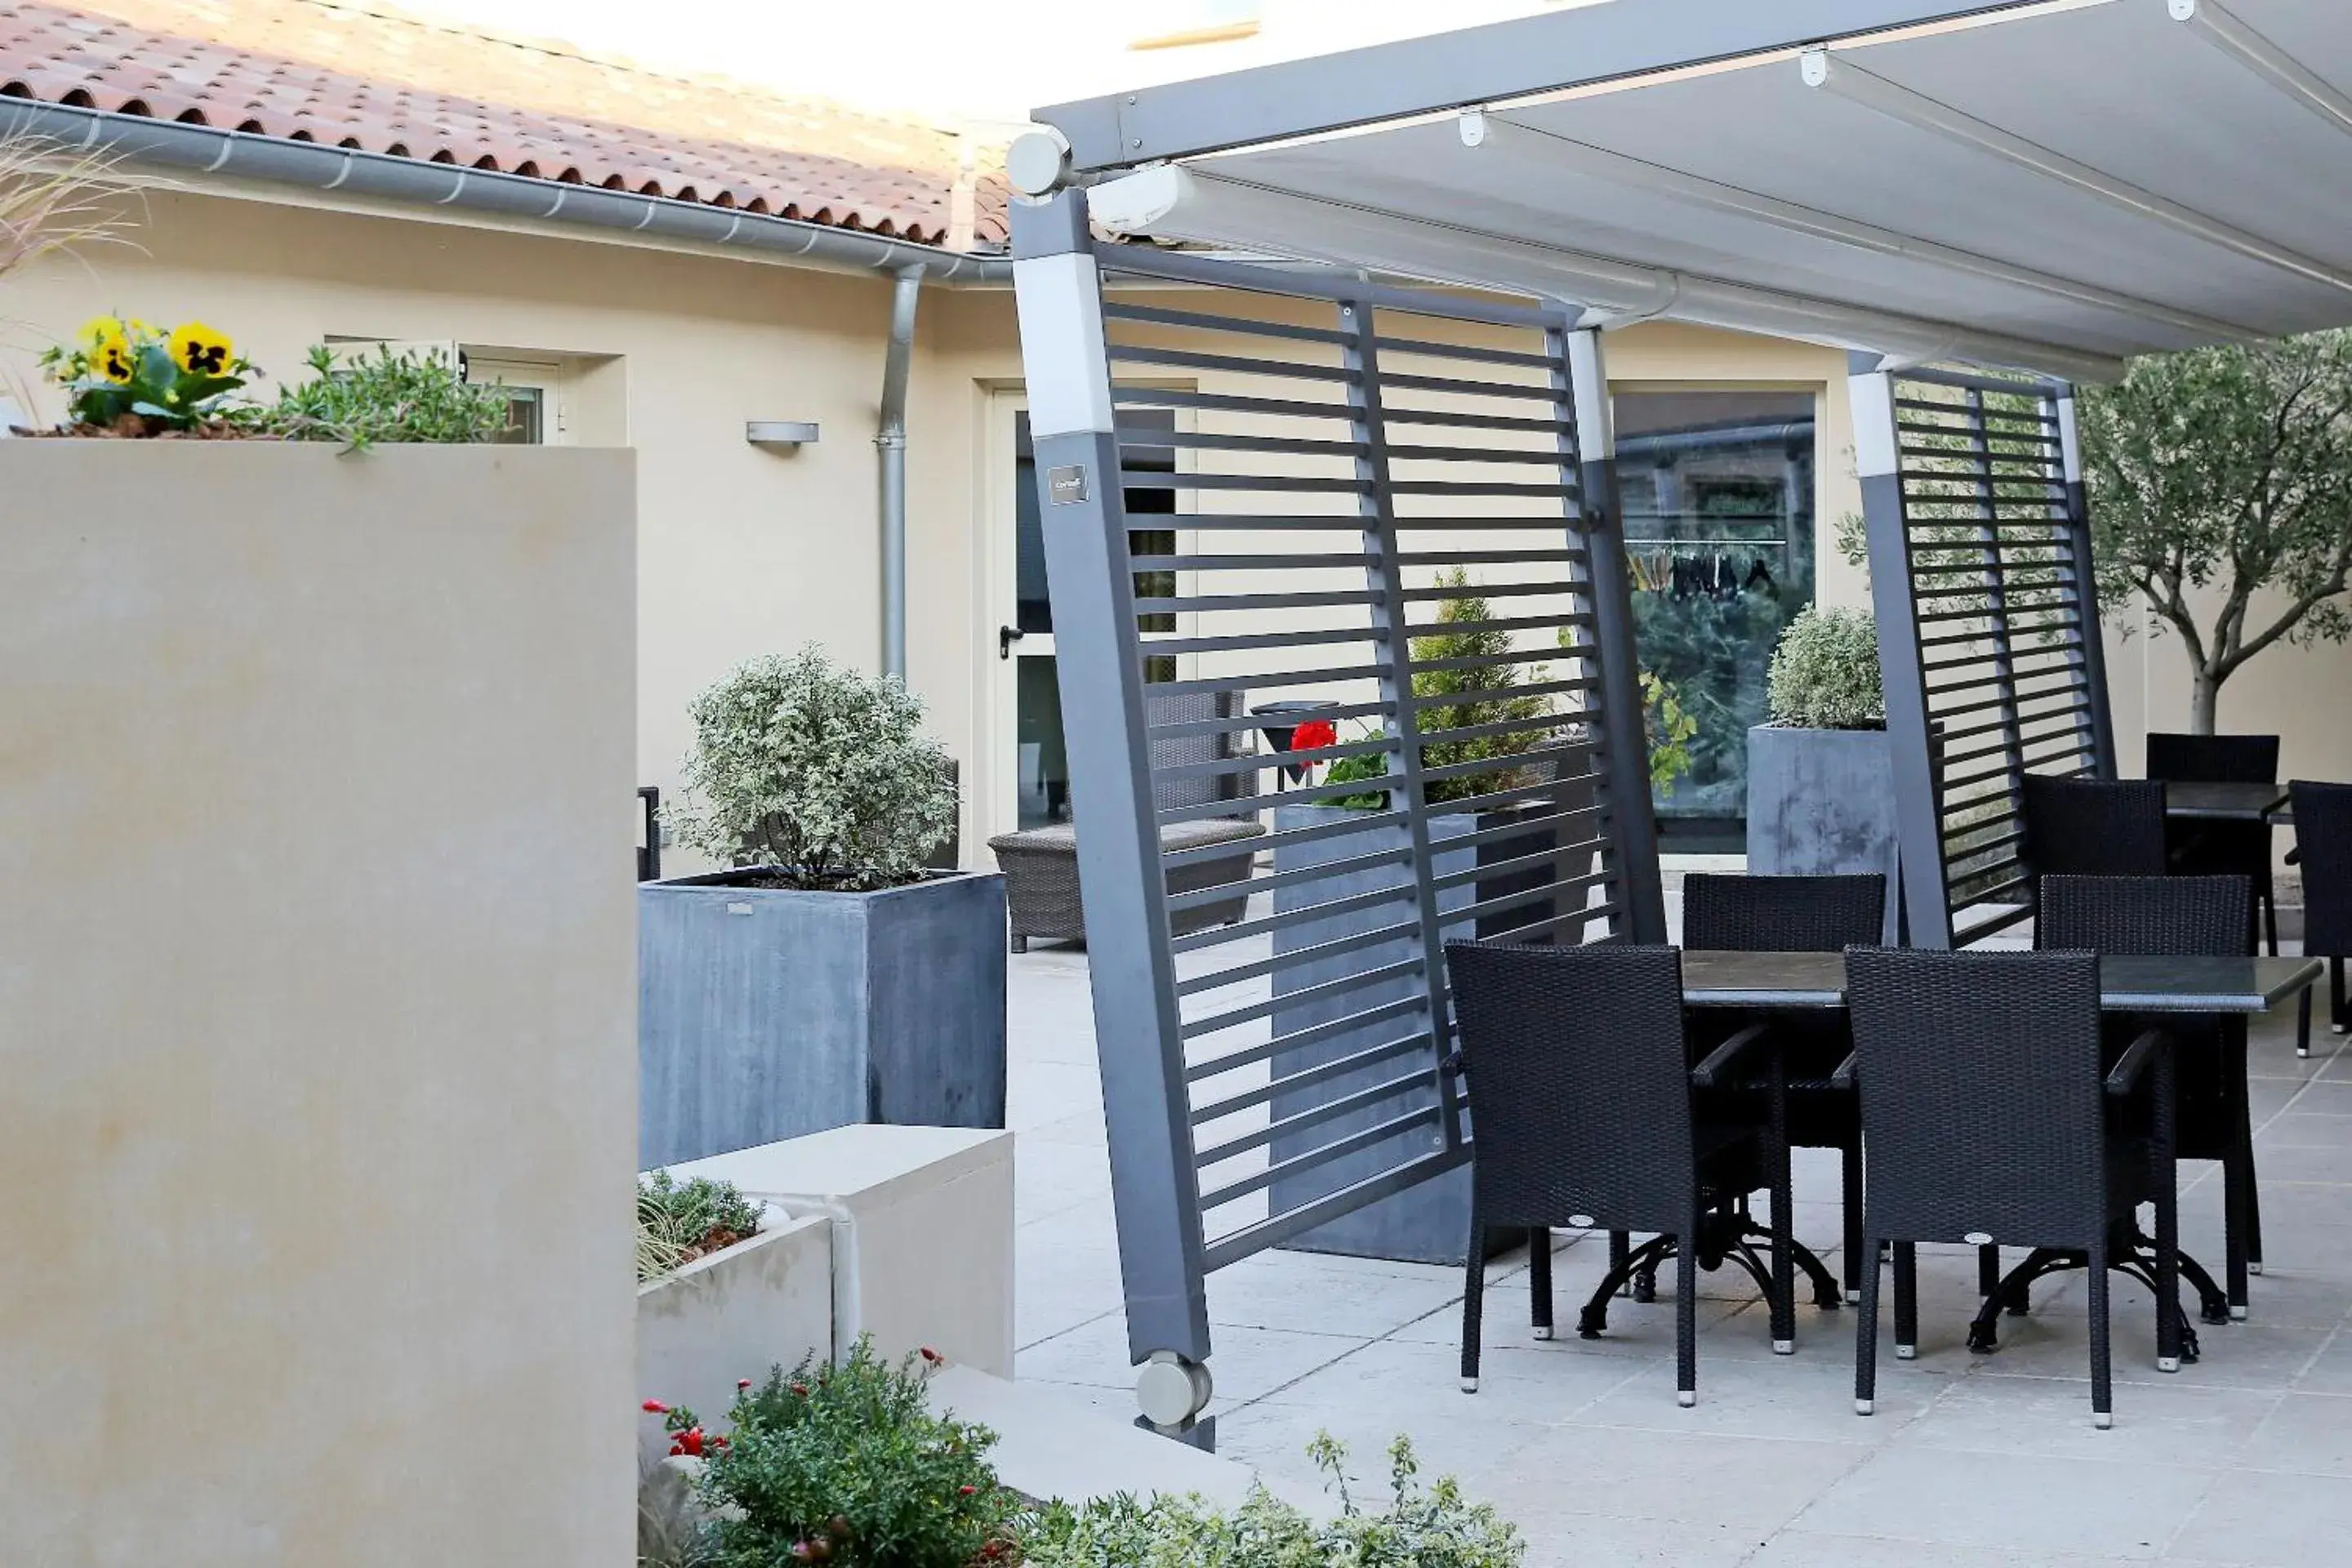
1814, 982
2195, 802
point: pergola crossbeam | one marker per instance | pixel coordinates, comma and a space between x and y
2222, 28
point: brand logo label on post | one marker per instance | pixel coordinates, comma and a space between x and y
1065, 485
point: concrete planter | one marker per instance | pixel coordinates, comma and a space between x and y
1429, 1223
764, 1013
761, 1303
1821, 803
319, 949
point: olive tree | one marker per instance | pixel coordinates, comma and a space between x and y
2221, 491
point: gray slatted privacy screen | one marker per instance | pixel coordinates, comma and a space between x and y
1999, 657
1383, 524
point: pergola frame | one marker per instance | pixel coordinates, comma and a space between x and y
1971, 478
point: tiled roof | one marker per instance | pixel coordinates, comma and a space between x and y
344, 74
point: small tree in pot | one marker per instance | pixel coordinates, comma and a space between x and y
816, 773
1820, 784
824, 977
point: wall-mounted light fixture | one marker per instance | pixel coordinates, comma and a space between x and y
780, 435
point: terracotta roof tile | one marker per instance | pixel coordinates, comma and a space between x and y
343, 74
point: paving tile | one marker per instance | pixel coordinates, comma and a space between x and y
1248, 1364
1538, 1384
2329, 1372
1308, 1293
2305, 1434
1748, 1484
2014, 1502
1572, 1537
1803, 1395
1809, 1549
2260, 1517
2166, 1423
1634, 1329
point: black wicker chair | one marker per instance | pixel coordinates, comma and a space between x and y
2322, 841
2223, 848
1988, 1115
2093, 828
1584, 1098
2180, 917
1801, 914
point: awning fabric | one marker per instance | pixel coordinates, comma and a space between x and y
2053, 188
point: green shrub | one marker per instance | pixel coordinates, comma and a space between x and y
819, 771
383, 396
1484, 695
1825, 674
680, 1221
1418, 1528
844, 1465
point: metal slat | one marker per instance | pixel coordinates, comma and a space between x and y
1230, 364
1467, 353
1338, 1066
1251, 1239
1300, 1165
1258, 969
1346, 1105
1158, 315
1305, 996
1258, 1054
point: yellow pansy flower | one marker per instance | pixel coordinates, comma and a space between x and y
200, 351
111, 359
98, 329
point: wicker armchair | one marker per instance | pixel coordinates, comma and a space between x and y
2223, 848
1041, 864
1580, 1080
2323, 839
2093, 828
1801, 914
1988, 1116
2181, 916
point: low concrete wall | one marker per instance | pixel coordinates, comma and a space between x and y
923, 1231
735, 1314
317, 974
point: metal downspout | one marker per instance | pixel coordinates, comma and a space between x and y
891, 440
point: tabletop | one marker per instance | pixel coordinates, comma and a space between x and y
2224, 802
2125, 984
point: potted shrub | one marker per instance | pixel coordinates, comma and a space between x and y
1426, 1224
825, 976
1820, 784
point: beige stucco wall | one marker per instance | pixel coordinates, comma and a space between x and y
317, 1007
745, 551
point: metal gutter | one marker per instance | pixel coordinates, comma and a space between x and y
891, 440
1488, 65
308, 165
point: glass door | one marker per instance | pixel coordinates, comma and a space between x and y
1030, 694
1717, 491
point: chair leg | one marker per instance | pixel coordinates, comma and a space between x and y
2103, 1394
2269, 917
1020, 944
1473, 1299
1620, 1246
1906, 1300
2169, 1323
1850, 1158
1686, 1314
1865, 1336
2237, 1182
2339, 1015
2303, 1025
1540, 1281
1988, 1269
1783, 1294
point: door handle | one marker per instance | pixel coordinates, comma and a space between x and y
1005, 637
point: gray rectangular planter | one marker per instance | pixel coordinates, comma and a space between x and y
765, 1014
1429, 1223
1821, 803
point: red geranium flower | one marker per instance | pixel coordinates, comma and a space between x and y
1314, 734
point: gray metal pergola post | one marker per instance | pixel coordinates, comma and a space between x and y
1988, 642
1138, 1033
1301, 1048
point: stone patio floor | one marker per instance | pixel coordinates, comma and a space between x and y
2244, 1458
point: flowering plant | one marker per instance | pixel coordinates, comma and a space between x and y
128, 378
1314, 734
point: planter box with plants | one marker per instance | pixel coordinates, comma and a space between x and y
726, 1285
311, 989
826, 977
1821, 782
852, 1464
1429, 1223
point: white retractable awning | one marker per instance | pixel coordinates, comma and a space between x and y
2052, 188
